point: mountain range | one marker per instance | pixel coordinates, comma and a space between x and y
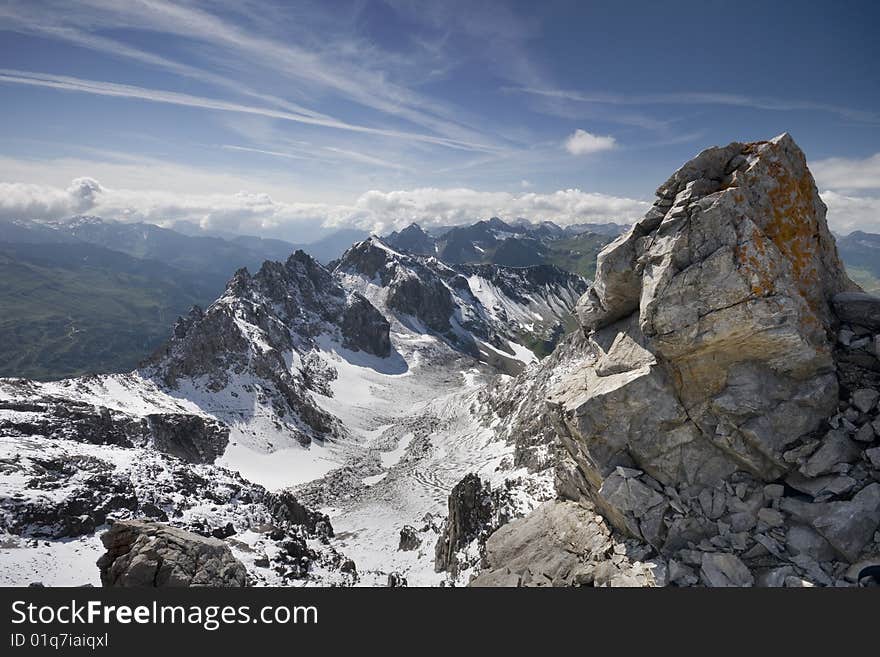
87, 294
92, 295
860, 252
516, 244
295, 372
706, 412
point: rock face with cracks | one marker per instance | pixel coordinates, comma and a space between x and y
149, 554
710, 324
708, 411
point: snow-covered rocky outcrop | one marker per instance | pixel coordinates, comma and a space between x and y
501, 315
292, 378
257, 342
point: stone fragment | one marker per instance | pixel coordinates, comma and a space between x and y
873, 455
801, 539
858, 308
865, 434
773, 491
681, 574
847, 525
836, 448
821, 487
770, 518
725, 570
865, 399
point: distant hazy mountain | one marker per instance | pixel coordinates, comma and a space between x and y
861, 253
214, 257
516, 244
70, 308
331, 247
88, 294
609, 228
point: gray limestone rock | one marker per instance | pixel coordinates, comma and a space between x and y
836, 448
558, 544
149, 554
725, 570
858, 308
717, 341
865, 399
709, 332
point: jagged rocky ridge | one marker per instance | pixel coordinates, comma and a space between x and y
719, 407
81, 454
263, 320
482, 310
78, 454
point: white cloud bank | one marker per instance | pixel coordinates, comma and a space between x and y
259, 213
582, 142
848, 173
849, 213
25, 201
378, 211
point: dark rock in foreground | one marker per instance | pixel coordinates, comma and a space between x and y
148, 554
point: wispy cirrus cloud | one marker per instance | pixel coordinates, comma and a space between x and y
262, 151
329, 153
335, 64
101, 88
702, 98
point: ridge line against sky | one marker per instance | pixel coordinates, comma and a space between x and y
292, 119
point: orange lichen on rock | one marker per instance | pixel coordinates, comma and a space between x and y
762, 279
793, 227
751, 254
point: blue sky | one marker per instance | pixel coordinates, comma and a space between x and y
290, 119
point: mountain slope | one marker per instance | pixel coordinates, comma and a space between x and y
67, 308
860, 252
486, 311
517, 244
90, 295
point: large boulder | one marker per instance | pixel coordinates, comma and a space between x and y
858, 308
471, 511
710, 319
559, 544
150, 554
719, 406
710, 324
189, 437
